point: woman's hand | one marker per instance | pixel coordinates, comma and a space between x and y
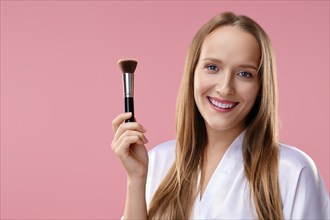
128, 144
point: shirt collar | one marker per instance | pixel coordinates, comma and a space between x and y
233, 155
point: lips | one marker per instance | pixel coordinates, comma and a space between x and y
222, 104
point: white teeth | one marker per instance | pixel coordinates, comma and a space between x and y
221, 105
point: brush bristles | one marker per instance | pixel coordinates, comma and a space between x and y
127, 65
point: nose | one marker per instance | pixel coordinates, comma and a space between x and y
225, 87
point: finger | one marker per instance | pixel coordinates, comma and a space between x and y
128, 126
135, 126
118, 140
136, 133
120, 119
125, 143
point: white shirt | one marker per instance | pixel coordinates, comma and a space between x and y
303, 193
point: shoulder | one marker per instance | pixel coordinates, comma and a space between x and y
294, 162
303, 192
165, 148
291, 156
161, 159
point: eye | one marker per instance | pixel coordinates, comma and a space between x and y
212, 67
245, 74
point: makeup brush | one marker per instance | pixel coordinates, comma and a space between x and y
128, 66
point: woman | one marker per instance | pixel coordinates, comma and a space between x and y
226, 162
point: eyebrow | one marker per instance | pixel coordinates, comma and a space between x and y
250, 66
212, 59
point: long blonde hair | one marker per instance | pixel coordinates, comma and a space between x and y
175, 196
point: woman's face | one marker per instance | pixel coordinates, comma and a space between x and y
226, 78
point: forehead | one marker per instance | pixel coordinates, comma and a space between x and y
231, 44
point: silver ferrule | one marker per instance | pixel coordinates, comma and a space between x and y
128, 81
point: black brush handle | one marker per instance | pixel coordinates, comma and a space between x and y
129, 107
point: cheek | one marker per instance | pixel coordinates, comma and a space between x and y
199, 88
249, 93
201, 84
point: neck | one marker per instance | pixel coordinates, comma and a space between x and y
219, 141
217, 144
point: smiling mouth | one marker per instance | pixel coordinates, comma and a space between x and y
222, 105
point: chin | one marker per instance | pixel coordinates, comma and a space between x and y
219, 127
225, 126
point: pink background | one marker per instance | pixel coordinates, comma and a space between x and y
61, 88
